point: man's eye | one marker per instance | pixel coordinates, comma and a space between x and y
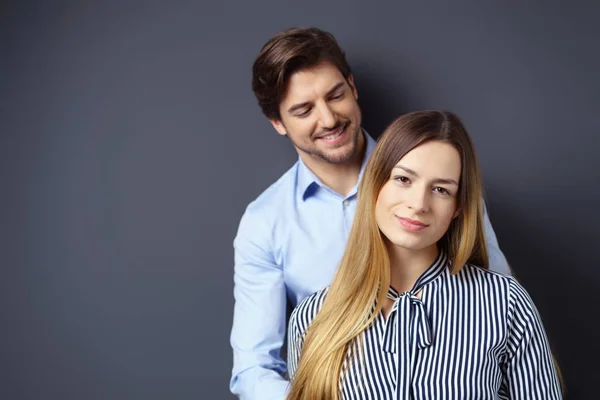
303, 113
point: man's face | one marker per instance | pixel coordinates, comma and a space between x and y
320, 115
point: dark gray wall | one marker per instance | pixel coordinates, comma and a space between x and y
130, 143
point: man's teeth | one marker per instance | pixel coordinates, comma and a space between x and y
335, 135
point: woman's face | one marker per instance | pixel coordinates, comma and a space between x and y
416, 205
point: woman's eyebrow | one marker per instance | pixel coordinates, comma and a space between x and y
446, 181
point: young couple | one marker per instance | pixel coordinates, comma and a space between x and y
384, 249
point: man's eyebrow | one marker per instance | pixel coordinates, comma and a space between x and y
296, 107
439, 180
299, 106
335, 88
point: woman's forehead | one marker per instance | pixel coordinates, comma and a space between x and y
432, 159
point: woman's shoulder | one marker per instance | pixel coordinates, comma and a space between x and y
471, 275
505, 290
477, 272
308, 309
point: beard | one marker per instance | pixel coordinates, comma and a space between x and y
337, 155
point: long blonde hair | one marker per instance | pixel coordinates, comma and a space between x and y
363, 277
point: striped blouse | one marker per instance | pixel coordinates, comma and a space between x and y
473, 335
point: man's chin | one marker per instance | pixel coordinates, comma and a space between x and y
343, 155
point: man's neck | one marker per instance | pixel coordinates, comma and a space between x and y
340, 177
406, 266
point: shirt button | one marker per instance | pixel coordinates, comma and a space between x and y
346, 203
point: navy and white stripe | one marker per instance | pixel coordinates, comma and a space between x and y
473, 335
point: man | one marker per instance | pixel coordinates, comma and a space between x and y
291, 238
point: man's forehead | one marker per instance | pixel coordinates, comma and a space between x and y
307, 83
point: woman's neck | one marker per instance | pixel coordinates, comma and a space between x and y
406, 266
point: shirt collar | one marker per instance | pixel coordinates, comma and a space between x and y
408, 325
441, 263
308, 181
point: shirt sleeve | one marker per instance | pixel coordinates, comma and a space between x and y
528, 366
300, 319
498, 262
295, 343
259, 315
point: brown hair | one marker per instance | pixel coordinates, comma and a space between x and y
363, 276
288, 52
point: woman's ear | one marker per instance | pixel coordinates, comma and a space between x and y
457, 213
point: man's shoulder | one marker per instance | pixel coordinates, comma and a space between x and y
269, 202
268, 207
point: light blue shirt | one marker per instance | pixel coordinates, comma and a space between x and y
289, 243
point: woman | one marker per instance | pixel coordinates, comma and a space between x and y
413, 311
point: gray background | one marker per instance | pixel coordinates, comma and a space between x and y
130, 144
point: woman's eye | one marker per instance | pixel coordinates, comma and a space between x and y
441, 190
402, 179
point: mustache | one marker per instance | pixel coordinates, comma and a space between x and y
341, 125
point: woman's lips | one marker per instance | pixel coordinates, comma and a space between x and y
411, 224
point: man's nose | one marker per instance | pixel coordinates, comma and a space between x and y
327, 118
